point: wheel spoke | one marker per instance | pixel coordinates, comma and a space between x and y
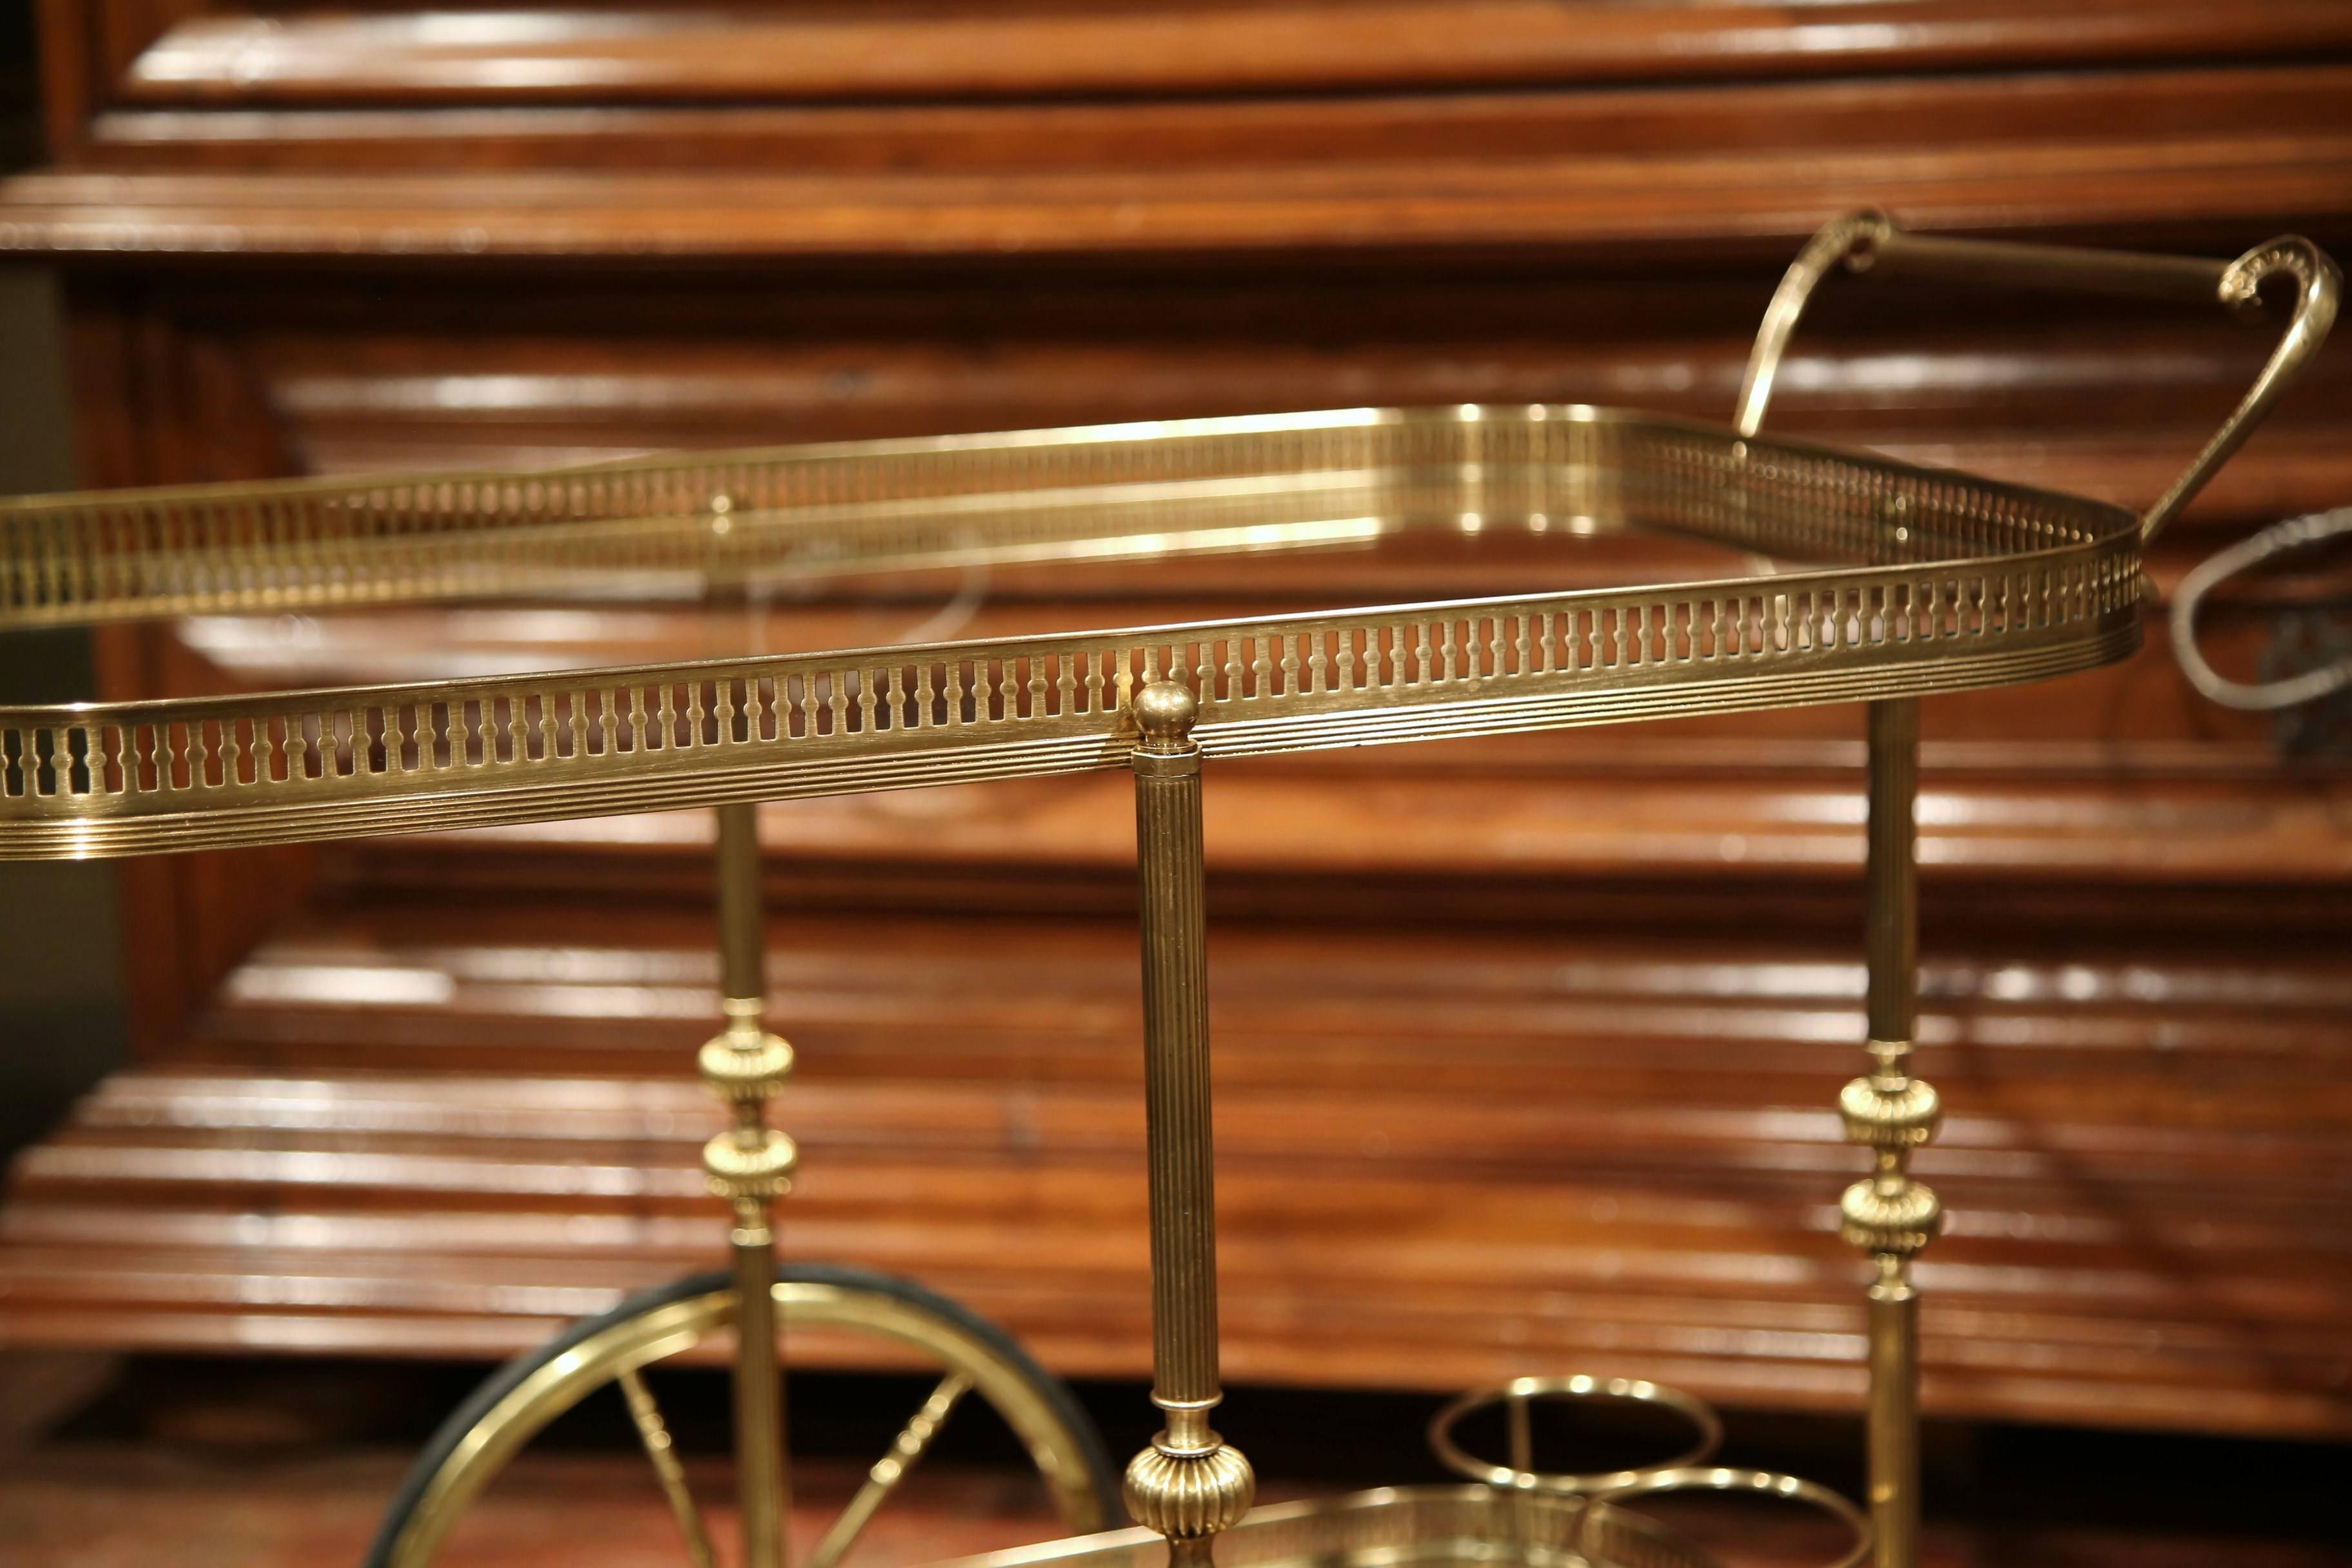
890, 1470
653, 1432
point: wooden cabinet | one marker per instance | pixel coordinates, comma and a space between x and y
1527, 1050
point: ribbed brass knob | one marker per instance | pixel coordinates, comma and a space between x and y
1890, 1214
745, 1064
740, 1170
1902, 1113
1188, 1496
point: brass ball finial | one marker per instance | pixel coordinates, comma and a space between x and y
1165, 712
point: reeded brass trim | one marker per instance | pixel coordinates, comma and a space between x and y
680, 523
1963, 583
1891, 870
1190, 1484
763, 1481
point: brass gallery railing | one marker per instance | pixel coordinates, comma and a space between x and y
1902, 581
1056, 495
1953, 583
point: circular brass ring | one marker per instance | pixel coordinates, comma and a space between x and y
1723, 1478
1524, 1390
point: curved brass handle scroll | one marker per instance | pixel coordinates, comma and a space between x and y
1871, 241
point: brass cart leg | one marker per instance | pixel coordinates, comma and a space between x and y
1188, 1485
751, 1165
1887, 1213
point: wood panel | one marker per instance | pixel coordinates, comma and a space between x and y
1588, 206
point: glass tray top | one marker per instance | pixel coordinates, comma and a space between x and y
1806, 574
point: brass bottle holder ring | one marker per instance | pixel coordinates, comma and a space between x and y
1516, 1397
1604, 1494
1725, 1478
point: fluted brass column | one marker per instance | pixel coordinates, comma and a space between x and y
1888, 1214
1188, 1485
751, 1167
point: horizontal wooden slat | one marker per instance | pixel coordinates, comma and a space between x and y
600, 54
443, 1140
633, 1005
1377, 835
1743, 1292
1760, 200
2304, 96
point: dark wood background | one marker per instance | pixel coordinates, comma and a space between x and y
1526, 1049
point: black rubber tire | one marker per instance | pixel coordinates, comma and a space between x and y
503, 1382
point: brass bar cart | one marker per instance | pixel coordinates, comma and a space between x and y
1886, 583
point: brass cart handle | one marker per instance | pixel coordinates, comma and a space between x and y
1869, 240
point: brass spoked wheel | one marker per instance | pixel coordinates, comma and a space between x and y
975, 1356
